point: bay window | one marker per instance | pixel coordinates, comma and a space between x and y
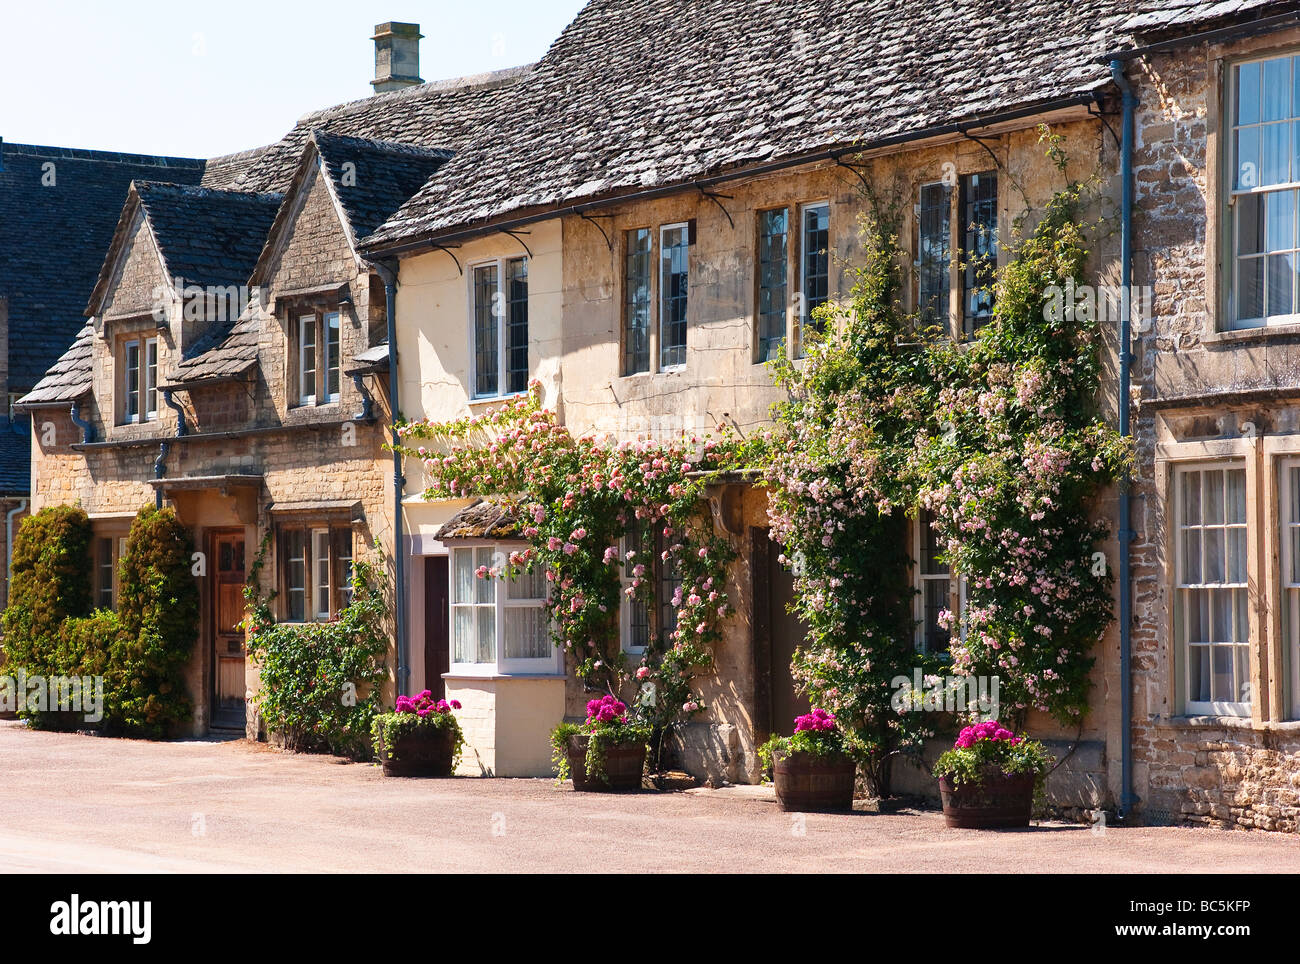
1264, 105
498, 624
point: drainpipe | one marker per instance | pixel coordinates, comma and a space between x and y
1126, 535
388, 273
160, 463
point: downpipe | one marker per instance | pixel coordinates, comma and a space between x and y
1125, 534
388, 274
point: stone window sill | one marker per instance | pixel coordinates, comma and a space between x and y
1228, 723
1265, 334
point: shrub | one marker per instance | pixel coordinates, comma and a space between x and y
320, 682
50, 581
140, 652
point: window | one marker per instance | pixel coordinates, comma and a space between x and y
1265, 110
933, 253
674, 284
814, 261
636, 614
315, 571
1290, 559
140, 379
498, 624
318, 357
669, 596
979, 224
500, 318
108, 553
636, 301
1211, 616
933, 584
773, 265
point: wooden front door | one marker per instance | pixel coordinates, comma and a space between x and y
226, 559
437, 642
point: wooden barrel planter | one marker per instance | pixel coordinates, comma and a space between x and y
999, 800
421, 753
806, 783
624, 765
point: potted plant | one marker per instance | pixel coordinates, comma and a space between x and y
812, 769
989, 776
607, 752
420, 738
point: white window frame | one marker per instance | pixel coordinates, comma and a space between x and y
1181, 590
805, 313
319, 559
658, 348
501, 312
131, 396
141, 403
1234, 195
919, 582
306, 323
550, 665
1289, 561
149, 370
331, 321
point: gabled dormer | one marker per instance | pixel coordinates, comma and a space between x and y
176, 273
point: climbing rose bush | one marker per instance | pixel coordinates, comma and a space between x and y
595, 512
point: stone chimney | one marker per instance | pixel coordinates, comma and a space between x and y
397, 56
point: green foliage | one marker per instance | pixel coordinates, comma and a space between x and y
321, 682
141, 651
817, 743
1000, 439
986, 758
49, 582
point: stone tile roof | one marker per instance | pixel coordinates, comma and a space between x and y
371, 360
229, 169
70, 377
223, 352
206, 236
1183, 16
638, 94
382, 177
483, 519
53, 238
438, 114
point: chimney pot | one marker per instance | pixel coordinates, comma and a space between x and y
397, 56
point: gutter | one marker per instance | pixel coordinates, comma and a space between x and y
387, 271
433, 241
1125, 532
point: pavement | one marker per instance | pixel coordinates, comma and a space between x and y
83, 804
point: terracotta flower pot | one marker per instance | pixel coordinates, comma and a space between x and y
424, 752
808, 783
624, 764
999, 800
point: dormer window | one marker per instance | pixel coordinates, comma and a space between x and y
139, 382
317, 340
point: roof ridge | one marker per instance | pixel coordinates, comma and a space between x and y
112, 157
200, 191
394, 147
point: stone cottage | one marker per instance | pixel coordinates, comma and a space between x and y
234, 367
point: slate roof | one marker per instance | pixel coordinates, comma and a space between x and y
15, 456
70, 377
483, 519
224, 352
371, 360
53, 239
638, 94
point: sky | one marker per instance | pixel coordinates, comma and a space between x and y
203, 79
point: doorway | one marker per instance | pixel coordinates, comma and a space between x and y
226, 619
437, 641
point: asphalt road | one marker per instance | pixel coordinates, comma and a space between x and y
78, 804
